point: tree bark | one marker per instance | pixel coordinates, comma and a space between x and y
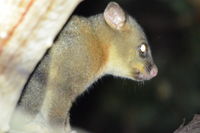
191, 127
27, 30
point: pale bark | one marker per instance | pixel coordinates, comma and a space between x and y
27, 30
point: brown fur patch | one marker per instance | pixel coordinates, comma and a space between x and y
102, 52
105, 54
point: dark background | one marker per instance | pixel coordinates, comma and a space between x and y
114, 105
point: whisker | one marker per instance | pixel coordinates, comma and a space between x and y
140, 83
148, 66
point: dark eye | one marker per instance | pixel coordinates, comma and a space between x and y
143, 50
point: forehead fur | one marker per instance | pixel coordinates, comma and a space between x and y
135, 27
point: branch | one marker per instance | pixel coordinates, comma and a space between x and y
191, 127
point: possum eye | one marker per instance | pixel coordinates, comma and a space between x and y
143, 50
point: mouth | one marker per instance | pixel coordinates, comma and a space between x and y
142, 77
139, 76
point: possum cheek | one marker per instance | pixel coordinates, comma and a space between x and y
138, 70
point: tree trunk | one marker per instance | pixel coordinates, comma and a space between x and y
27, 30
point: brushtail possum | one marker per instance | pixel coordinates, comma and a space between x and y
86, 49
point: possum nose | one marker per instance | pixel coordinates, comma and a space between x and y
154, 71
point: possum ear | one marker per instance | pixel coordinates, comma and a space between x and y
114, 16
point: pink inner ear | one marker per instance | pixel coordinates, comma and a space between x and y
114, 15
118, 20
